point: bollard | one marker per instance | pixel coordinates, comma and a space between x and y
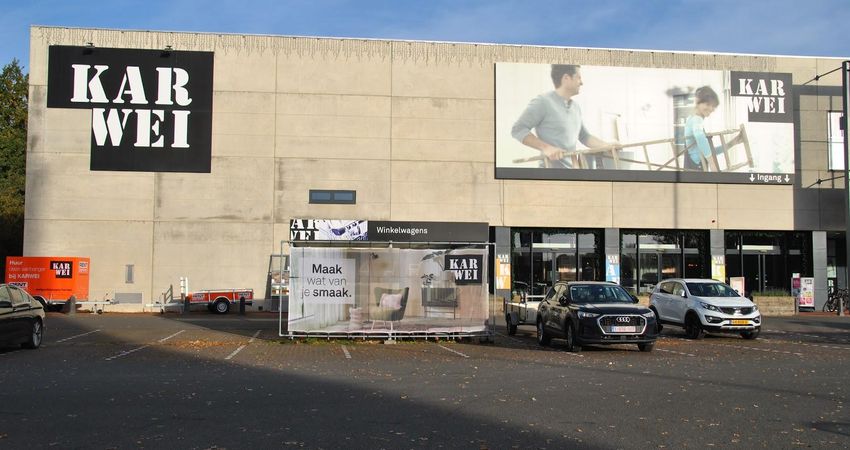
185, 303
241, 306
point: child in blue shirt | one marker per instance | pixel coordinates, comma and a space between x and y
696, 141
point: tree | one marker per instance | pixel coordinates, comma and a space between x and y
14, 87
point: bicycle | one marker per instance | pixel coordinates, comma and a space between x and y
835, 295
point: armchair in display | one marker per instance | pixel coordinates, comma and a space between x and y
390, 305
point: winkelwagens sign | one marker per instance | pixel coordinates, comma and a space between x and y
151, 110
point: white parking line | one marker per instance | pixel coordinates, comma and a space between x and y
235, 352
453, 351
345, 350
127, 352
169, 337
79, 335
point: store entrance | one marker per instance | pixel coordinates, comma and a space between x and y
766, 260
762, 267
551, 266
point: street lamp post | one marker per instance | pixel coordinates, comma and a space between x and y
845, 83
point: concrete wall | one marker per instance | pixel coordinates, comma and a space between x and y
408, 125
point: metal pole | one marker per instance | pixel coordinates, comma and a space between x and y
845, 82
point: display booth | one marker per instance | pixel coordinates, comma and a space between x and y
349, 279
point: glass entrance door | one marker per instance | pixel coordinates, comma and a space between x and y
762, 267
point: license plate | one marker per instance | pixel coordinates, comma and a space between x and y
623, 329
740, 322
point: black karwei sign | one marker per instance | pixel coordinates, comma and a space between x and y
151, 110
465, 268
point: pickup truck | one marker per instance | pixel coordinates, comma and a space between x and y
220, 300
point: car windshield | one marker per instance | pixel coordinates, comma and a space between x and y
712, 290
597, 293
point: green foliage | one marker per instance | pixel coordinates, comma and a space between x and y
14, 87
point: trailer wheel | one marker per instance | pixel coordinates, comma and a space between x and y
222, 306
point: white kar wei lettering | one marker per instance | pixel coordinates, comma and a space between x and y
111, 122
762, 98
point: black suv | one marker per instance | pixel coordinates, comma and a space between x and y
592, 312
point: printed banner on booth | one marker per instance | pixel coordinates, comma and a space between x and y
328, 282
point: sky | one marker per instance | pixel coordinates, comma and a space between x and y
771, 27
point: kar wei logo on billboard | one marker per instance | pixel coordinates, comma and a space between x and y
766, 95
151, 110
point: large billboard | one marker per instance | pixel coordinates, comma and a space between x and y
151, 110
568, 122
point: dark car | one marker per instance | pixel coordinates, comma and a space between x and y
21, 318
592, 312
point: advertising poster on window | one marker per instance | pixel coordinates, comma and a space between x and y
807, 292
738, 284
568, 122
612, 268
718, 268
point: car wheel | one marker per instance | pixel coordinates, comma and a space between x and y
750, 334
222, 306
36, 335
658, 326
542, 338
693, 329
572, 339
646, 347
510, 325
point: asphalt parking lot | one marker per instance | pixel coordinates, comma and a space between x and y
206, 381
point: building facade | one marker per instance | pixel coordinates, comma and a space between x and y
162, 155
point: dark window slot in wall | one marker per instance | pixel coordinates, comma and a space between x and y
338, 197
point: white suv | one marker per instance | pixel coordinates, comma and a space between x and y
701, 306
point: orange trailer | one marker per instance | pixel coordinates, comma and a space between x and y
50, 279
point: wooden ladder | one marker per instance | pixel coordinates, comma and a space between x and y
612, 152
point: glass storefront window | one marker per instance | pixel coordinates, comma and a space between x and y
767, 259
542, 257
651, 256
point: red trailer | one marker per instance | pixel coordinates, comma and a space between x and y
220, 300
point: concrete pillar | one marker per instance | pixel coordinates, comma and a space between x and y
717, 247
502, 256
819, 253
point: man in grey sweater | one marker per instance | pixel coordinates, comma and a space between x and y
556, 121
